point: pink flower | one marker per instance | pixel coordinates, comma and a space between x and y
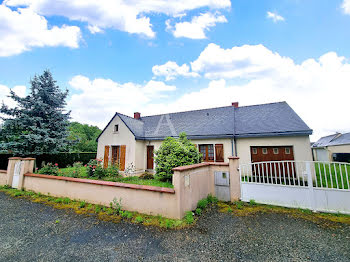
56, 164
85, 165
90, 166
36, 168
94, 167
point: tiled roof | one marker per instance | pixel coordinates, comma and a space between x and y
274, 119
333, 140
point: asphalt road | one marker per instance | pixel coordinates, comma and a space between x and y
35, 232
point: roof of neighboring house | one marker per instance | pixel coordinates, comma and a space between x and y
274, 119
333, 140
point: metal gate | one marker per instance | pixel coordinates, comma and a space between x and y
15, 179
316, 185
222, 185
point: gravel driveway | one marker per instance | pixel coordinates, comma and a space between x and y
35, 232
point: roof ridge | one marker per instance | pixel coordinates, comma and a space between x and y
195, 110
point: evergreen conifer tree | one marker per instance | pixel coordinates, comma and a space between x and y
38, 124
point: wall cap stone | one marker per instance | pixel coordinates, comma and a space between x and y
3, 171
203, 164
233, 157
106, 183
28, 158
15, 158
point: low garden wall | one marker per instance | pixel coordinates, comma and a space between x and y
191, 184
3, 177
144, 199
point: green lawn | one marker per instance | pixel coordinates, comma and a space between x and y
331, 175
82, 172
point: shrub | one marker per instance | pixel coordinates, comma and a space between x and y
189, 217
212, 199
198, 211
146, 176
49, 169
95, 168
116, 204
173, 153
139, 219
252, 202
239, 205
112, 170
202, 204
82, 204
78, 164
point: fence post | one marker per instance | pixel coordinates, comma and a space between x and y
27, 167
311, 187
11, 169
235, 181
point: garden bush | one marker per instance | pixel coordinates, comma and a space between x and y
173, 153
49, 169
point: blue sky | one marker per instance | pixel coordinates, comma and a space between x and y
113, 57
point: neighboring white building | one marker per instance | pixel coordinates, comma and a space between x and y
334, 147
256, 133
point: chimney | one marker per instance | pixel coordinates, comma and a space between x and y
235, 104
137, 115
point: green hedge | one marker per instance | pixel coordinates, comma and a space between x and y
62, 159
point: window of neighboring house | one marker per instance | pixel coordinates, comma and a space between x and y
116, 128
255, 150
207, 152
287, 150
264, 150
275, 150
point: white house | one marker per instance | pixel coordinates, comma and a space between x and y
266, 132
333, 147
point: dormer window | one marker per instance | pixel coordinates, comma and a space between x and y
116, 128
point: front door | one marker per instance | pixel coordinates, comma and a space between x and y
150, 157
115, 155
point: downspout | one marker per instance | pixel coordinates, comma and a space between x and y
234, 138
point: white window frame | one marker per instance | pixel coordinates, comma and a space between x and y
287, 149
116, 131
255, 151
275, 150
264, 150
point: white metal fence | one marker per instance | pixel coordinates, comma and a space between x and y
320, 186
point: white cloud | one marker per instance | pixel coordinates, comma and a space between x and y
240, 61
346, 6
275, 17
170, 70
318, 89
198, 26
128, 16
23, 29
5, 92
97, 100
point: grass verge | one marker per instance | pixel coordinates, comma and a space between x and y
240, 208
101, 212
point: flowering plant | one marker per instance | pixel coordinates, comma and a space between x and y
49, 169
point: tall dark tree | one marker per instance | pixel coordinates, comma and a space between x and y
39, 122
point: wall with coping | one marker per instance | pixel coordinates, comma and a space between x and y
191, 183
144, 199
3, 177
301, 146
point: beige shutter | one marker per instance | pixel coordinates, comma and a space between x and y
219, 152
106, 156
122, 157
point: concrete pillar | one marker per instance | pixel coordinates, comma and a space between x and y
235, 182
27, 167
11, 168
178, 187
